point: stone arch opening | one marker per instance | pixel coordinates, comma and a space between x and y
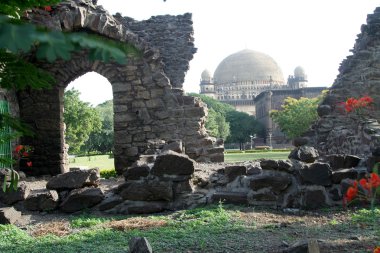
95, 90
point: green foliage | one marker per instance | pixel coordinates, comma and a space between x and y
296, 115
217, 125
108, 173
86, 221
19, 74
242, 126
81, 120
102, 141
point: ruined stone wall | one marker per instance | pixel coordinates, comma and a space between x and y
173, 36
359, 75
146, 106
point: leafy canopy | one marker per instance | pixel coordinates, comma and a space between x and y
81, 120
296, 115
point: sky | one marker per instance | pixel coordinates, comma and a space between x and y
316, 35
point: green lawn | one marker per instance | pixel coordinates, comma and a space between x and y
104, 162
100, 161
254, 156
209, 229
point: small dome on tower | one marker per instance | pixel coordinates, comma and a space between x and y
299, 72
206, 75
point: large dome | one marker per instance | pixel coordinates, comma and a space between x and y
248, 65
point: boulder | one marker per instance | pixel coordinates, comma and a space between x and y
234, 171
42, 200
12, 196
304, 153
316, 174
9, 215
80, 199
110, 202
338, 176
314, 197
254, 169
74, 180
280, 165
139, 245
339, 161
136, 171
323, 110
173, 163
146, 190
277, 182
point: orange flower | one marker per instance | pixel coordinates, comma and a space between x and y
18, 148
25, 154
29, 164
374, 180
364, 183
351, 193
48, 8
376, 250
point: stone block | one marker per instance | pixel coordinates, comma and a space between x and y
80, 199
316, 174
12, 196
136, 171
110, 202
146, 190
314, 198
281, 165
173, 163
304, 153
277, 182
74, 180
182, 187
41, 200
339, 175
234, 171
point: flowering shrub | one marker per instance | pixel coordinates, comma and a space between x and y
364, 190
23, 152
357, 105
377, 250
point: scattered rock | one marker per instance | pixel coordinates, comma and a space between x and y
316, 174
139, 245
300, 141
110, 202
137, 171
323, 110
338, 176
175, 145
146, 190
74, 180
276, 182
80, 199
42, 200
173, 163
9, 215
304, 153
314, 197
12, 196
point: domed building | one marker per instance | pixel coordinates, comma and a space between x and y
240, 77
253, 82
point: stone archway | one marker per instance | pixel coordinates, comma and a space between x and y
146, 104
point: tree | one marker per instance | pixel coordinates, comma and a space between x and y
242, 126
103, 140
216, 124
81, 120
296, 115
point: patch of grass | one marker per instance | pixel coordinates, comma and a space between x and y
87, 221
367, 216
254, 156
100, 161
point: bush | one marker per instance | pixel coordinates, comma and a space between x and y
108, 173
